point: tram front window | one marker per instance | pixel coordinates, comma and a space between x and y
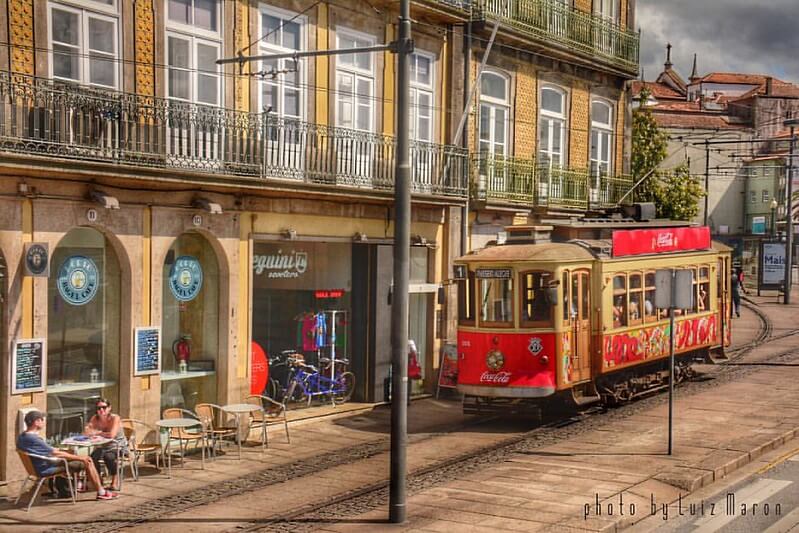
496, 301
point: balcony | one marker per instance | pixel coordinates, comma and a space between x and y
69, 122
523, 183
553, 22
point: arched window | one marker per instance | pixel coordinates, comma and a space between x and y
494, 113
83, 325
190, 323
601, 138
552, 126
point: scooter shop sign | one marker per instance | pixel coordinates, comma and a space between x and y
281, 265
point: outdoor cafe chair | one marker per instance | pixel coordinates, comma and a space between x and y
209, 414
273, 413
185, 436
33, 475
139, 443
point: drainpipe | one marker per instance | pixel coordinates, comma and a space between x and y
467, 55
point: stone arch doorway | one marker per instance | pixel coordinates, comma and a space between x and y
83, 329
190, 323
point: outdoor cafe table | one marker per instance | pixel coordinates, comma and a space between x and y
180, 424
239, 409
76, 443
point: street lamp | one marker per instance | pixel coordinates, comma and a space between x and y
773, 217
790, 123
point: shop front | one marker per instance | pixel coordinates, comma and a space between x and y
83, 332
302, 303
190, 323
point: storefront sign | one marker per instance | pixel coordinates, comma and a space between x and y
773, 264
328, 294
758, 225
78, 280
292, 264
493, 273
28, 366
37, 262
147, 351
186, 278
656, 241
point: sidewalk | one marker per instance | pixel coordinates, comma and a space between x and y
591, 482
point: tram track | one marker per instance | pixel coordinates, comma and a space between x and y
310, 515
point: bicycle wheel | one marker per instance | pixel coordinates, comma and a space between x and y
345, 386
274, 390
296, 393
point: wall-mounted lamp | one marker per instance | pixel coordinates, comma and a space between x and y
290, 234
104, 199
207, 205
359, 237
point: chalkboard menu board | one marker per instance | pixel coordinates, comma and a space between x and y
28, 366
147, 351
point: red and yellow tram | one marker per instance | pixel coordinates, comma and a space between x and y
577, 320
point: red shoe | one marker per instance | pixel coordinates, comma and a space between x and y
108, 495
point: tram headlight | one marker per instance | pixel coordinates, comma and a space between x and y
544, 360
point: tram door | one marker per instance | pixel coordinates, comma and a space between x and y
723, 282
581, 324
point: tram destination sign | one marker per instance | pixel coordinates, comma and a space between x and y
493, 273
28, 366
660, 240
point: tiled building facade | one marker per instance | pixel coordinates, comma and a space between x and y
227, 206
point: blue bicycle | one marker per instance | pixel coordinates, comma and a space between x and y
308, 382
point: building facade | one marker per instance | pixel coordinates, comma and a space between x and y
252, 204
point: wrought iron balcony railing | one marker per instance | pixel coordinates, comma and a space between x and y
522, 182
553, 21
38, 116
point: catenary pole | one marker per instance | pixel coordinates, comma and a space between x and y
672, 298
707, 178
789, 222
397, 509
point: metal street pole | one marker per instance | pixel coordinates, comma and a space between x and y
707, 178
397, 509
671, 353
789, 218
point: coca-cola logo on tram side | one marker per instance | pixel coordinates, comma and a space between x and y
496, 378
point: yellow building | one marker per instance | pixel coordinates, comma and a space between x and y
253, 203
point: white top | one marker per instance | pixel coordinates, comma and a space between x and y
240, 408
178, 423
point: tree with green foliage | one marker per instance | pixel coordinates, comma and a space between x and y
677, 194
649, 150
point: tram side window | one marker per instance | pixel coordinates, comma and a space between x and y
703, 289
566, 305
619, 301
466, 300
536, 308
496, 301
650, 313
636, 299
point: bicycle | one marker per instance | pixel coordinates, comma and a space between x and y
307, 382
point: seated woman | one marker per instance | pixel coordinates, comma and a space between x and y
108, 425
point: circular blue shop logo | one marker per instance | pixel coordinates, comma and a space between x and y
186, 278
78, 280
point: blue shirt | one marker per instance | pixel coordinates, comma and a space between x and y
31, 442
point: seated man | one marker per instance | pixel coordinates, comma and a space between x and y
31, 442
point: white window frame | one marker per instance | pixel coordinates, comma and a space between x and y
600, 8
86, 9
269, 48
547, 120
357, 74
605, 131
416, 89
193, 30
195, 36
492, 104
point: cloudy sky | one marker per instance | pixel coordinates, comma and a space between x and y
728, 36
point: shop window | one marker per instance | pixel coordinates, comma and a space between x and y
420, 305
466, 302
190, 323
619, 301
496, 302
536, 307
83, 301
302, 304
